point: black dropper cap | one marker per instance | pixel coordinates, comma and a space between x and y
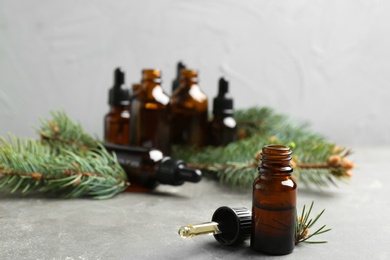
235, 225
174, 172
222, 103
118, 95
176, 81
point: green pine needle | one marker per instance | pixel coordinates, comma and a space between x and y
304, 223
64, 131
66, 163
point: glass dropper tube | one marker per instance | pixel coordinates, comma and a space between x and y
192, 230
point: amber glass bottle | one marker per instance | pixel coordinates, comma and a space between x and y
150, 127
222, 128
274, 203
116, 122
189, 111
147, 168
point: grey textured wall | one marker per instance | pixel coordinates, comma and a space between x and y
324, 62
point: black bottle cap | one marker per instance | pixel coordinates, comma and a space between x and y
235, 225
174, 172
222, 103
176, 81
118, 95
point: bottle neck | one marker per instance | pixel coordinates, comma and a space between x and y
276, 160
188, 78
189, 82
150, 79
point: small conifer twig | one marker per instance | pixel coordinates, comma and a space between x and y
67, 163
304, 223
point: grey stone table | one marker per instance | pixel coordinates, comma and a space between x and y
144, 226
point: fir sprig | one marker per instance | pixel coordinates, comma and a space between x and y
304, 223
67, 163
62, 130
236, 163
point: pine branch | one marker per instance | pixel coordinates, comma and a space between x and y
67, 162
317, 162
61, 130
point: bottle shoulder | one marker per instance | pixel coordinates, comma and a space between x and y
197, 93
224, 121
277, 182
152, 95
193, 92
118, 111
189, 98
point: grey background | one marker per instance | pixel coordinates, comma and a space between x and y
323, 62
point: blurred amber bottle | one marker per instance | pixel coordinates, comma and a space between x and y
150, 109
189, 111
274, 203
147, 168
116, 122
222, 128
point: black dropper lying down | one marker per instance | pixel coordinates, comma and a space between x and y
174, 172
230, 226
137, 161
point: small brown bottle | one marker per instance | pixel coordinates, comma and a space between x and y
274, 203
189, 111
150, 108
116, 122
147, 168
223, 127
